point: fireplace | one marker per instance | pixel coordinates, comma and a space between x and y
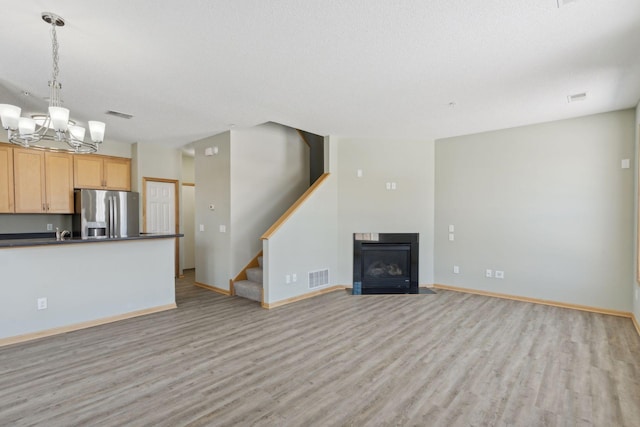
385, 263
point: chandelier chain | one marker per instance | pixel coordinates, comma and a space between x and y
54, 99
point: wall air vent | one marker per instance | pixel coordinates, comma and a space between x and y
318, 278
577, 97
119, 114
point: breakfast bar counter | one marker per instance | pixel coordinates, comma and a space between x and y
53, 286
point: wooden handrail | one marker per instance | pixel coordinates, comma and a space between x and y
294, 207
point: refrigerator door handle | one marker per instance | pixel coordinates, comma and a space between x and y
111, 212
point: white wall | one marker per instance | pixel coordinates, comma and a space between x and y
269, 171
188, 215
153, 161
256, 175
635, 295
365, 205
548, 204
188, 169
213, 175
307, 241
33, 223
105, 279
115, 148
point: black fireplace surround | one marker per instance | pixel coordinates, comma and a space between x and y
385, 263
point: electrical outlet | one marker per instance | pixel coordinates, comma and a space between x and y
49, 227
287, 278
42, 303
499, 274
456, 269
488, 273
294, 277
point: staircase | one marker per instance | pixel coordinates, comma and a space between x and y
251, 288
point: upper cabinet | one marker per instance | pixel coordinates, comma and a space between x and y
43, 181
102, 172
6, 179
58, 169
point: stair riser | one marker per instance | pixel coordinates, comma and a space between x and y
255, 275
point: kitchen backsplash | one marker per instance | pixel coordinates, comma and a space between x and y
36, 223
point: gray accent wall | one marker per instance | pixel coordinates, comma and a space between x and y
257, 174
635, 294
213, 176
307, 241
548, 204
83, 282
269, 171
33, 223
365, 205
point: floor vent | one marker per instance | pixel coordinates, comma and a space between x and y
318, 278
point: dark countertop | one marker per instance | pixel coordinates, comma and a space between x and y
42, 241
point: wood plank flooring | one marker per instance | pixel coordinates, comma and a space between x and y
450, 359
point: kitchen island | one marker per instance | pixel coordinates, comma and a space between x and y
82, 283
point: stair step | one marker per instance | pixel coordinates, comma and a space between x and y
254, 274
248, 289
260, 261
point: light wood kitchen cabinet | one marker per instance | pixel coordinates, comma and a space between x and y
43, 181
102, 172
6, 179
58, 169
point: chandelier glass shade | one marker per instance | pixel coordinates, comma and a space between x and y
52, 131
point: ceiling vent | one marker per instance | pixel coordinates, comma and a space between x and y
577, 97
119, 114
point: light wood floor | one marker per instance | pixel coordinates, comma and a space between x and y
449, 359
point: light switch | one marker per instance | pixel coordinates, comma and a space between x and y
451, 228
201, 227
625, 164
223, 228
208, 151
359, 173
388, 186
393, 185
451, 237
456, 269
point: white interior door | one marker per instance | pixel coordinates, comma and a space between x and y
161, 207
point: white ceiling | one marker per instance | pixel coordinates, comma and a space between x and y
367, 68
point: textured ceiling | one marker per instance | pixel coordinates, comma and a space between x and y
367, 68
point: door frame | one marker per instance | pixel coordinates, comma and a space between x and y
175, 182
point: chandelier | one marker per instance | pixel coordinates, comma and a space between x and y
53, 131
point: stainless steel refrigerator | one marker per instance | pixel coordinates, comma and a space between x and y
104, 214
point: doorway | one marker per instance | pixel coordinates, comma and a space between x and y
160, 213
